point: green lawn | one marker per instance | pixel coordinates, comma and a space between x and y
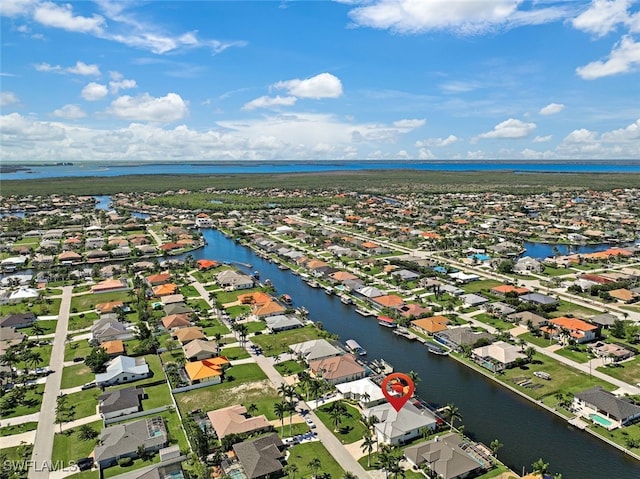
189, 291
76, 375
234, 352
18, 428
77, 349
81, 321
45, 354
85, 475
580, 356
88, 302
68, 446
620, 436
627, 371
565, 307
481, 286
17, 453
214, 326
273, 344
289, 367
225, 297
30, 404
537, 340
157, 396
249, 385
84, 402
498, 323
238, 310
174, 428
255, 326
48, 325
302, 454
550, 271
350, 428
137, 464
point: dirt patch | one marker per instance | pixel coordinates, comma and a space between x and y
219, 396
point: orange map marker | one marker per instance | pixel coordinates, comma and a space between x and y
398, 389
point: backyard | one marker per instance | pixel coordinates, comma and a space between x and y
302, 454
275, 344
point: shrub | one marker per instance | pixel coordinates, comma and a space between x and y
125, 461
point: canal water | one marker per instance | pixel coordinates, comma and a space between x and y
488, 411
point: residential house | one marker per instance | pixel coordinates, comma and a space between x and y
110, 285
337, 369
506, 289
431, 325
110, 307
199, 349
185, 335
123, 369
624, 295
261, 458
539, 299
364, 390
527, 317
596, 401
108, 329
413, 310
235, 420
527, 264
207, 370
498, 356
314, 349
165, 289
120, 402
499, 309
604, 320
232, 280
577, 329
455, 338
171, 299
272, 308
158, 279
473, 300
18, 320
399, 427
282, 322
446, 456
612, 351
176, 321
113, 348
176, 308
125, 440
391, 301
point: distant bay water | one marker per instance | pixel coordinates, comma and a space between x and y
266, 167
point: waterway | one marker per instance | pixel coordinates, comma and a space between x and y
545, 250
488, 410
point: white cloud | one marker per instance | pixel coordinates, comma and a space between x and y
81, 68
13, 8
144, 107
69, 112
552, 109
324, 85
542, 139
466, 17
580, 136
94, 91
425, 154
439, 142
630, 133
410, 124
602, 16
8, 98
624, 57
124, 84
270, 102
61, 16
511, 129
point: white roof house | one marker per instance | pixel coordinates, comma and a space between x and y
398, 427
314, 349
123, 369
364, 390
498, 355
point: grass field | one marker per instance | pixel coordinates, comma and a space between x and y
137, 464
31, 403
250, 385
627, 371
77, 349
84, 402
289, 367
350, 428
274, 344
87, 302
235, 352
18, 428
484, 285
76, 375
302, 454
81, 321
68, 446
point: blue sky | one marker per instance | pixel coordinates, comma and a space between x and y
311, 80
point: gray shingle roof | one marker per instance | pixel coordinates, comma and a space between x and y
616, 407
123, 439
120, 399
261, 456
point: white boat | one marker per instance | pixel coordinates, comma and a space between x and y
344, 299
364, 312
328, 290
355, 348
313, 284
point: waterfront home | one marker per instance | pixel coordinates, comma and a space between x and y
235, 420
69, 257
399, 427
365, 391
282, 322
604, 408
498, 356
413, 310
314, 349
199, 349
261, 458
23, 294
272, 308
208, 370
528, 265
337, 369
120, 402
577, 329
369, 292
431, 325
457, 337
126, 440
233, 280
448, 456
257, 298
123, 369
391, 301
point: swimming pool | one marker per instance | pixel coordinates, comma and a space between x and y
598, 419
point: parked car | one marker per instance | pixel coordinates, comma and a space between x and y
84, 463
310, 422
90, 385
78, 360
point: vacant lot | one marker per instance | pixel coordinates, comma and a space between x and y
274, 344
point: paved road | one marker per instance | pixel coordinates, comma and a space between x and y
43, 446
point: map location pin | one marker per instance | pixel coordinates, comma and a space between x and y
398, 389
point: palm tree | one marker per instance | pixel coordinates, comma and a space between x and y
280, 410
495, 445
451, 413
37, 330
530, 352
9, 359
368, 442
540, 467
349, 475
414, 377
314, 464
304, 379
252, 409
291, 470
336, 413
